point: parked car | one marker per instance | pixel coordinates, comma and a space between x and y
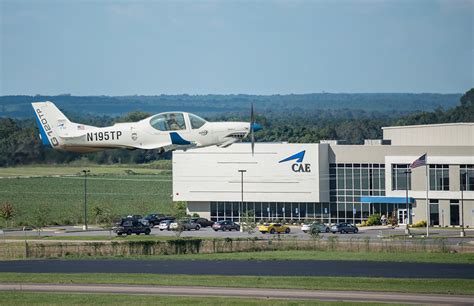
186, 224
273, 228
203, 222
225, 225
315, 227
165, 225
155, 219
134, 217
344, 228
129, 226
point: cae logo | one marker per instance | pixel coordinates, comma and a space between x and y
298, 166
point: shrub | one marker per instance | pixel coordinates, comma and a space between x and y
373, 220
7, 212
421, 223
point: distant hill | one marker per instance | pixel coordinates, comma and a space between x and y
212, 105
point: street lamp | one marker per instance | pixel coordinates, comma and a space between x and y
407, 229
241, 205
85, 199
463, 233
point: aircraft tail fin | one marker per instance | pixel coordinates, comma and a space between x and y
51, 123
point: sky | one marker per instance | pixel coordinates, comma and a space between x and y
235, 47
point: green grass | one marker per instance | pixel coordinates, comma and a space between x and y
464, 258
425, 257
50, 170
409, 285
36, 298
110, 187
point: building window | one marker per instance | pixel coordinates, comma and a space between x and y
434, 212
467, 183
439, 177
348, 183
399, 177
454, 212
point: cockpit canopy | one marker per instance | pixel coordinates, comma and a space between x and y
176, 121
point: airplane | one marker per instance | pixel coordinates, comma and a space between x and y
164, 132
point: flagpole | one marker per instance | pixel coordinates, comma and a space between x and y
427, 203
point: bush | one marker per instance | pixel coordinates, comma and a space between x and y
373, 220
421, 223
7, 212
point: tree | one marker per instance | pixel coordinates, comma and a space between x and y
248, 222
39, 218
179, 209
107, 220
97, 212
7, 212
134, 116
179, 229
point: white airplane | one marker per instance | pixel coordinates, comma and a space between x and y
164, 132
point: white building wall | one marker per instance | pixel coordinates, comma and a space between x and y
211, 174
448, 134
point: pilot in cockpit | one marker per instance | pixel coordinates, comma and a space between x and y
173, 124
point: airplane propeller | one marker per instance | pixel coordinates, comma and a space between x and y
254, 127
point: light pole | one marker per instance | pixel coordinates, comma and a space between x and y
241, 205
85, 199
463, 233
407, 229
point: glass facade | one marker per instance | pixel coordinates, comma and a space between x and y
466, 173
399, 177
266, 211
348, 182
439, 177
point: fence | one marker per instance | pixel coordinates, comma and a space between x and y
51, 249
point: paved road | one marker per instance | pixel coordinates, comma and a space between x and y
360, 296
245, 267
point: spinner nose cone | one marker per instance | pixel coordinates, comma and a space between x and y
256, 127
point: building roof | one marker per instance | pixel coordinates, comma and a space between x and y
428, 125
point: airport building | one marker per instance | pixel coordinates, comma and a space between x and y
334, 182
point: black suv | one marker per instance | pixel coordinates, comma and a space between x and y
155, 219
129, 226
203, 222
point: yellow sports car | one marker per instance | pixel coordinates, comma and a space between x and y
273, 228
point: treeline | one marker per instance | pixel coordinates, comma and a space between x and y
20, 144
213, 105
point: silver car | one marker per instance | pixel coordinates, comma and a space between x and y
165, 225
186, 225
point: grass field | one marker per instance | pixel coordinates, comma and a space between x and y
409, 285
122, 189
458, 258
36, 298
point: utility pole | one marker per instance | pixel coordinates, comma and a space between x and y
85, 199
241, 205
463, 233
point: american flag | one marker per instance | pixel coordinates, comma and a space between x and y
81, 127
420, 161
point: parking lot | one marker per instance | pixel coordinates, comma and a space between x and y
452, 235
